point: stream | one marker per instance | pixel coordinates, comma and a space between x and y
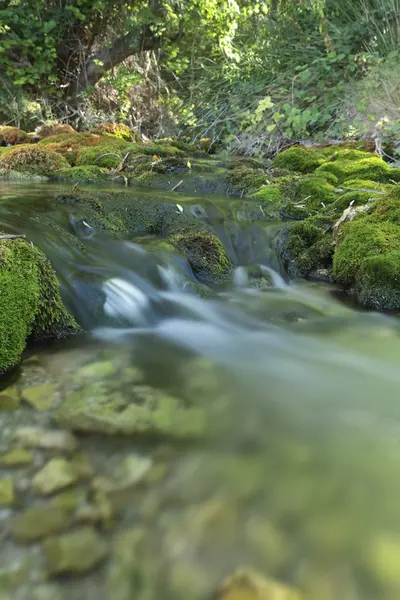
290, 467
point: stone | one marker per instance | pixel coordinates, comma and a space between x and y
46, 439
75, 552
7, 494
101, 511
82, 466
40, 397
143, 411
70, 500
47, 591
17, 457
247, 584
132, 470
56, 475
39, 522
9, 398
94, 371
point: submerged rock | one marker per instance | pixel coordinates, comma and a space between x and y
47, 439
39, 522
56, 475
246, 584
40, 397
100, 408
75, 552
9, 398
7, 494
18, 457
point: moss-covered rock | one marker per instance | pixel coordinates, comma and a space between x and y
243, 179
306, 247
39, 522
7, 493
55, 476
70, 145
17, 457
299, 158
46, 131
205, 254
40, 397
32, 160
247, 584
84, 174
372, 168
9, 136
143, 411
75, 552
268, 193
379, 281
118, 130
10, 398
30, 303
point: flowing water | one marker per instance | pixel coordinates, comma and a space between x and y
296, 473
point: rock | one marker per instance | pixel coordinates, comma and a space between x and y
70, 500
9, 398
39, 522
40, 397
17, 457
75, 552
246, 584
143, 411
56, 475
383, 560
82, 466
7, 495
47, 439
132, 470
101, 511
47, 591
94, 371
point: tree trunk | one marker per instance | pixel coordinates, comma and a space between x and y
102, 61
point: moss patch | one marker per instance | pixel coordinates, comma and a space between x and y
205, 254
299, 158
268, 193
306, 247
118, 130
54, 129
84, 174
32, 160
372, 168
30, 303
12, 136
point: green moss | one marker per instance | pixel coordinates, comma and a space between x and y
372, 168
315, 192
386, 208
306, 247
100, 156
365, 184
299, 158
204, 252
350, 154
361, 239
378, 283
12, 135
88, 174
118, 130
30, 303
54, 129
268, 193
92, 209
32, 160
246, 180
70, 145
154, 149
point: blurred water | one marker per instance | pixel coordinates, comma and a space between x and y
300, 474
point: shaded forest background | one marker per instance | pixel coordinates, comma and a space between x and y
253, 75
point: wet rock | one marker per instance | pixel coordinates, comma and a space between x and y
40, 397
14, 572
100, 511
47, 439
70, 500
82, 466
246, 584
47, 591
75, 552
17, 457
144, 411
7, 494
94, 371
132, 470
56, 475
9, 398
39, 522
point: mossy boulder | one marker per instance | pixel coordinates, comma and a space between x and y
242, 179
30, 303
372, 168
39, 522
118, 130
84, 174
69, 146
75, 552
299, 158
32, 160
46, 131
268, 193
306, 248
9, 136
205, 254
